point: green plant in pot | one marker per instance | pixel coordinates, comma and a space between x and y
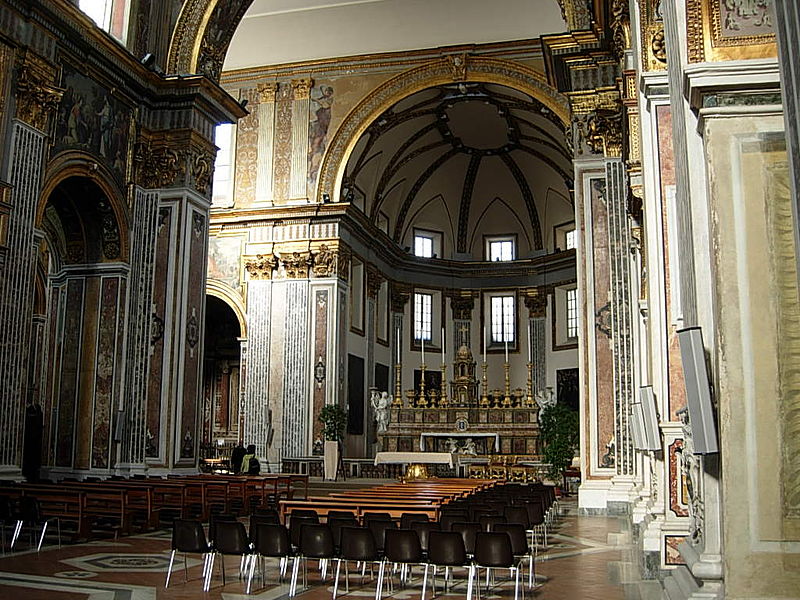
334, 420
559, 432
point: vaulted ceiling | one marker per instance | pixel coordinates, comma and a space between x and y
467, 160
282, 31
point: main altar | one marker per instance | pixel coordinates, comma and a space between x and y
478, 425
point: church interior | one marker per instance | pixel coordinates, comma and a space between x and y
413, 255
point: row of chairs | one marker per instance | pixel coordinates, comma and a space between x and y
22, 512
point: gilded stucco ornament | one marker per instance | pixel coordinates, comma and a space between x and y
375, 280
604, 132
536, 303
620, 28
37, 97
325, 261
202, 165
462, 304
156, 167
301, 88
295, 264
260, 266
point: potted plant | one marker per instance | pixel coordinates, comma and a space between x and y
559, 432
334, 421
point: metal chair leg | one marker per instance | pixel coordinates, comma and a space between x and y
169, 570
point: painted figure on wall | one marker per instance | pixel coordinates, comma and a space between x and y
320, 120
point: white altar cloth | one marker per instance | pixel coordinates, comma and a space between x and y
407, 458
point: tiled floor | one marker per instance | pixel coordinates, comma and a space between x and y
576, 565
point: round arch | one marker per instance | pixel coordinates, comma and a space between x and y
80, 164
448, 69
230, 297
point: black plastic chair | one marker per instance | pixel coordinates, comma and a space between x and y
401, 548
423, 529
6, 518
406, 519
447, 519
468, 531
367, 517
446, 549
188, 537
517, 514
337, 524
231, 539
296, 524
271, 540
358, 544
537, 522
341, 514
378, 529
520, 547
29, 513
488, 522
493, 551
316, 543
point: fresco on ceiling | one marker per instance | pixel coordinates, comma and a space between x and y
91, 119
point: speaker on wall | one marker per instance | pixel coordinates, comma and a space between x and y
698, 391
651, 436
636, 426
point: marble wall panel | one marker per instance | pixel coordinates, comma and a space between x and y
70, 367
105, 360
320, 358
676, 392
154, 438
604, 359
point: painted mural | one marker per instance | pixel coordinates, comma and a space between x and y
321, 105
91, 119
223, 259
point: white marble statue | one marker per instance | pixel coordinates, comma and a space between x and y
451, 445
381, 403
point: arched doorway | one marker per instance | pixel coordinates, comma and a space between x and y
81, 340
221, 376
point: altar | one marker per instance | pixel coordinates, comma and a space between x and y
466, 436
417, 462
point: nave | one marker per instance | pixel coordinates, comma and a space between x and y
586, 557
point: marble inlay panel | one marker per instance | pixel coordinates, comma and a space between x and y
68, 387
104, 374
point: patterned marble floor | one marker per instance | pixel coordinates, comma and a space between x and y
575, 565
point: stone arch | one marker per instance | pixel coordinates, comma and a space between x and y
448, 69
230, 297
79, 164
202, 35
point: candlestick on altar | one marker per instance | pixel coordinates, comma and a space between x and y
529, 397
398, 391
443, 361
484, 344
443, 386
506, 351
422, 401
422, 340
484, 386
507, 396
530, 348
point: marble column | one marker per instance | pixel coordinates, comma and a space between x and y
299, 174
255, 416
462, 303
266, 136
536, 303
36, 100
400, 295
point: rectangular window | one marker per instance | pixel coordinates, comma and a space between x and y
572, 313
423, 314
110, 15
570, 239
423, 245
501, 248
503, 319
223, 165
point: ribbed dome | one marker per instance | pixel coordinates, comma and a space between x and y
468, 160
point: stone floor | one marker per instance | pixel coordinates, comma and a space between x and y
582, 562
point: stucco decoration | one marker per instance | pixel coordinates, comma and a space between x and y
202, 36
438, 72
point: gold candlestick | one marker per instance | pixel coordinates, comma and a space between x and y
422, 402
398, 392
443, 387
507, 396
529, 397
484, 387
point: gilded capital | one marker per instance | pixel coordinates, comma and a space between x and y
296, 264
260, 266
302, 88
266, 92
375, 280
325, 261
462, 304
37, 97
401, 293
536, 303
